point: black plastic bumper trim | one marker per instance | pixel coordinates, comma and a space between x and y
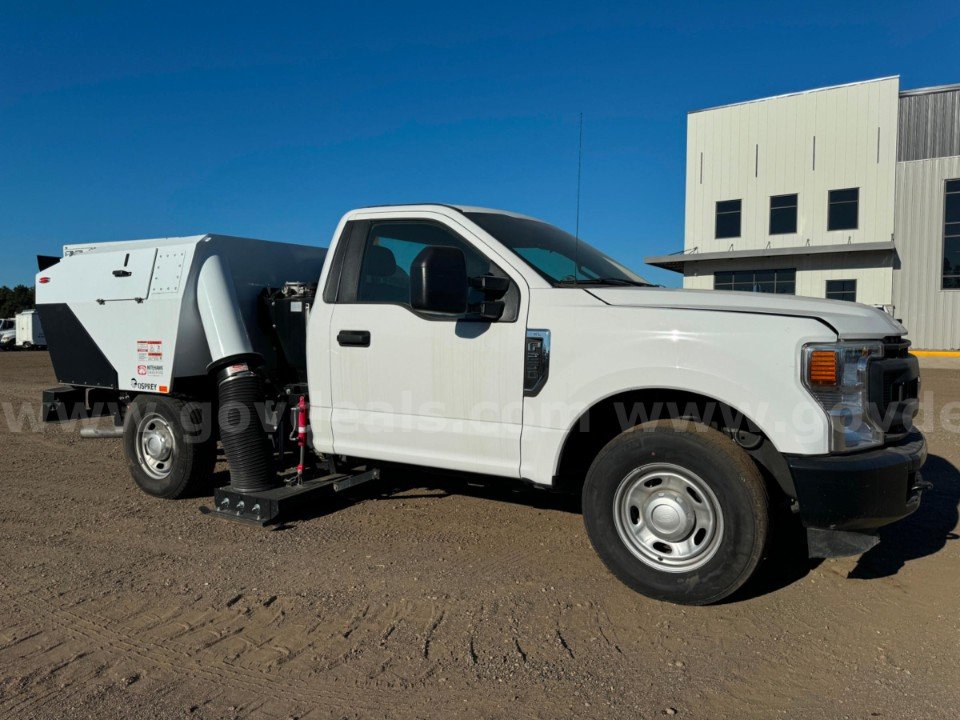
862, 491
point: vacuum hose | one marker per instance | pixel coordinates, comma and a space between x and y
239, 387
246, 445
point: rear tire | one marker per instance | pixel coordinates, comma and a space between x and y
677, 511
170, 446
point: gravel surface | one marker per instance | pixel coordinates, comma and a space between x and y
430, 598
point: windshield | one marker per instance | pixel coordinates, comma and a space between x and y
6, 324
556, 255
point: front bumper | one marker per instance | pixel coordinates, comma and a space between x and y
862, 491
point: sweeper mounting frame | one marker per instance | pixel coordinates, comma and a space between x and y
272, 506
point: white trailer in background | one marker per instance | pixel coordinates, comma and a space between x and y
29, 331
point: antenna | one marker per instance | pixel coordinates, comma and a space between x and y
576, 252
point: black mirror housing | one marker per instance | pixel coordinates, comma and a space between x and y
489, 310
438, 280
493, 287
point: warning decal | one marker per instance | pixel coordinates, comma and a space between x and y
150, 350
149, 363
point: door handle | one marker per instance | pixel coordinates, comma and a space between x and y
354, 338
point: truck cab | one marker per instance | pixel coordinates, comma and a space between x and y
8, 333
487, 342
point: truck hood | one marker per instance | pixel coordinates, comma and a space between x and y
851, 321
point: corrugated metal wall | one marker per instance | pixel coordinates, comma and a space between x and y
929, 125
754, 150
932, 315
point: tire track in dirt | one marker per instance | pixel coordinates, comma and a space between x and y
88, 632
91, 565
245, 650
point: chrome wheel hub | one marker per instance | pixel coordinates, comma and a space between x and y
668, 517
155, 446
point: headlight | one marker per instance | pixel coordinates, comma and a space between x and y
836, 376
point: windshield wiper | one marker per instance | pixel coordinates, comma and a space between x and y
572, 282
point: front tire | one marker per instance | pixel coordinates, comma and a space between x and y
169, 445
677, 511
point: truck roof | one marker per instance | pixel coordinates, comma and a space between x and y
448, 206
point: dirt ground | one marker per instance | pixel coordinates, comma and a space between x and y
435, 600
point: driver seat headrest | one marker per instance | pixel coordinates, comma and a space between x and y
380, 261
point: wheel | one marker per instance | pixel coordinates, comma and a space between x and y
677, 511
169, 446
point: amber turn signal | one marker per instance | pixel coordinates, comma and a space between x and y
822, 369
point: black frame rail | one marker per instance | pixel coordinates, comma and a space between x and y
267, 507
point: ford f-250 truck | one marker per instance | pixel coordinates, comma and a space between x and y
486, 342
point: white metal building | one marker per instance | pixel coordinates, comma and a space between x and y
849, 192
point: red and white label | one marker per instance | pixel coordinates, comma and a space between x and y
151, 350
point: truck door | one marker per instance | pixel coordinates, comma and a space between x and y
419, 388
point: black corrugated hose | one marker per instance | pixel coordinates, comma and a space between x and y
246, 445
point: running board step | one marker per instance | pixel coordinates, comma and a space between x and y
268, 506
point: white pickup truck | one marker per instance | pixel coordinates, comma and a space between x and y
486, 342
8, 333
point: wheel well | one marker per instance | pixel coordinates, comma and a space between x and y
609, 417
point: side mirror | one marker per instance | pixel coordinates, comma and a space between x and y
438, 280
493, 287
489, 310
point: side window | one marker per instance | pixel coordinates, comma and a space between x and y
842, 209
842, 290
782, 282
728, 219
951, 236
390, 250
783, 214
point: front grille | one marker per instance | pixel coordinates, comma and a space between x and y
894, 387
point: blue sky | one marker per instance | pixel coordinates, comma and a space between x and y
126, 120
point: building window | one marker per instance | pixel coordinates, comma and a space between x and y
783, 214
843, 209
728, 219
782, 282
842, 290
951, 236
